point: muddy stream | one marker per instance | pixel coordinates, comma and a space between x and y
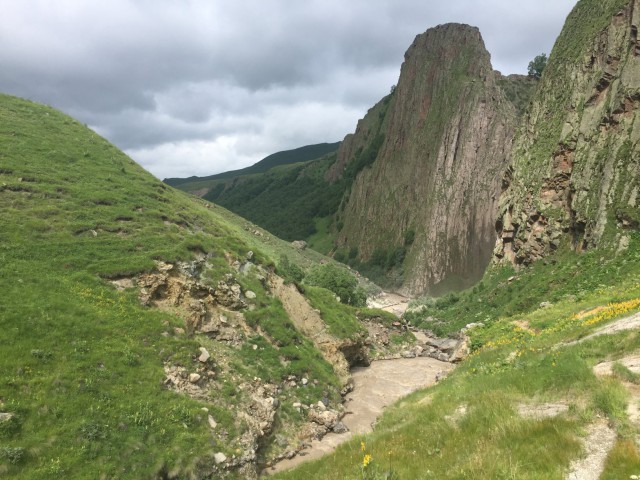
375, 387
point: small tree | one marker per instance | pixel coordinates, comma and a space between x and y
537, 65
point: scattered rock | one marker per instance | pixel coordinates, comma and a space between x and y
470, 326
194, 377
461, 350
219, 458
545, 304
326, 418
212, 422
228, 293
123, 283
5, 417
204, 355
445, 345
299, 244
321, 406
249, 255
250, 295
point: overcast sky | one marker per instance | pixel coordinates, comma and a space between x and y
196, 87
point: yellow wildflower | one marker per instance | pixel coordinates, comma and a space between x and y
363, 446
366, 460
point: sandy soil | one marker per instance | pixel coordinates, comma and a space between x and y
390, 302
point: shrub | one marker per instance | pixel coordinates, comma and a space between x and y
9, 427
339, 281
13, 455
290, 271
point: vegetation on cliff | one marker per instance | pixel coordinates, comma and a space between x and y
573, 180
444, 136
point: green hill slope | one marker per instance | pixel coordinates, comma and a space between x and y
286, 157
112, 285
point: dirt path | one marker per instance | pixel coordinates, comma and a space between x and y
627, 323
376, 387
600, 439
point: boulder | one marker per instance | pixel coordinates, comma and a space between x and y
340, 427
461, 351
327, 418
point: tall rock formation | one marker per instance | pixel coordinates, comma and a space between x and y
575, 174
427, 162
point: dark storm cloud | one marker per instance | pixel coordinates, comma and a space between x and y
200, 86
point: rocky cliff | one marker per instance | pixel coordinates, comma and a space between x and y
427, 162
575, 172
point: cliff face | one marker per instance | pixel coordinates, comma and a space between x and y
430, 156
575, 173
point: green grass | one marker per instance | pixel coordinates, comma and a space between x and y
340, 319
322, 240
82, 364
623, 373
574, 279
623, 461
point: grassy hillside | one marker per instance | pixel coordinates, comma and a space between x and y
83, 380
287, 157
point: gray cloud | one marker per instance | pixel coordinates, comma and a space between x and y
201, 86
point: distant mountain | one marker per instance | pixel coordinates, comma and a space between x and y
286, 157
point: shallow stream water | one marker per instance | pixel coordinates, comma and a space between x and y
375, 387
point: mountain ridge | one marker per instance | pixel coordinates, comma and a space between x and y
301, 154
